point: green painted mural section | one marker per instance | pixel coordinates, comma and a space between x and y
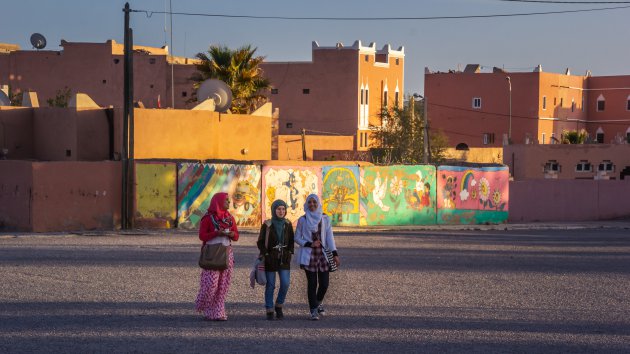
398, 195
471, 217
340, 194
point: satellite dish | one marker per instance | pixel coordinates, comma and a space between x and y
38, 41
218, 91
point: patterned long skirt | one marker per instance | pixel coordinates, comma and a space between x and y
213, 288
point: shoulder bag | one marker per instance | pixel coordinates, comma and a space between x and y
214, 256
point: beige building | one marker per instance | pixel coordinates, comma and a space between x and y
565, 161
341, 91
97, 70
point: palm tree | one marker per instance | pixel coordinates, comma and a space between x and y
240, 70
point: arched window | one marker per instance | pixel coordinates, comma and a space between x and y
599, 135
601, 103
461, 146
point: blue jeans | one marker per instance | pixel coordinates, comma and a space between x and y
285, 279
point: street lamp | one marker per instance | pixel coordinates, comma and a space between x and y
426, 148
510, 122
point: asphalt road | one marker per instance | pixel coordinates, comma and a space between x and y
403, 291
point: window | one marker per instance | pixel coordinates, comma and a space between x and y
583, 166
582, 103
397, 61
362, 96
274, 91
367, 57
628, 104
601, 103
544, 103
306, 91
396, 102
367, 97
152, 61
184, 93
476, 102
572, 105
384, 98
289, 125
462, 147
543, 138
599, 137
151, 86
552, 166
488, 138
561, 101
555, 102
606, 166
104, 81
365, 136
116, 61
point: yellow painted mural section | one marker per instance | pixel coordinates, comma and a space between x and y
476, 155
156, 198
200, 135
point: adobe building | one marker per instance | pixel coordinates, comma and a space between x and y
97, 70
341, 91
473, 107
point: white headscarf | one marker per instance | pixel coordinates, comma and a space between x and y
312, 217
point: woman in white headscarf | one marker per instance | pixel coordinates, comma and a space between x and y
314, 232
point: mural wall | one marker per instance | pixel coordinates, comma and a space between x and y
197, 183
340, 194
397, 195
468, 195
351, 195
291, 184
155, 194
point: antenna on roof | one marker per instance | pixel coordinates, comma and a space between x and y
38, 41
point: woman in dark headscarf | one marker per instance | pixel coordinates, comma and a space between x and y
313, 233
217, 226
275, 243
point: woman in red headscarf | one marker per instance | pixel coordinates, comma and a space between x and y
217, 226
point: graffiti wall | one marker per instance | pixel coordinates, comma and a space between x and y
340, 194
397, 195
197, 183
291, 184
468, 195
155, 194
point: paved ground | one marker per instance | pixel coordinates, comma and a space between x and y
564, 290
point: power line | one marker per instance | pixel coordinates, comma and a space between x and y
569, 2
149, 13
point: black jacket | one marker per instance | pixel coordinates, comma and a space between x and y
276, 258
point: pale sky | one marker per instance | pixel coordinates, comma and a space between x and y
596, 41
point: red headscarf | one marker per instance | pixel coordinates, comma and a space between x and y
222, 216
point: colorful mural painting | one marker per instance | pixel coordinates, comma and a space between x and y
397, 195
340, 194
155, 194
469, 195
197, 183
291, 184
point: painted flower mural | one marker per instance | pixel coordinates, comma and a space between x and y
484, 189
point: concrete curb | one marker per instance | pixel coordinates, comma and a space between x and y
613, 224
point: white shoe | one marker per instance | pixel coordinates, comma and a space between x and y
314, 315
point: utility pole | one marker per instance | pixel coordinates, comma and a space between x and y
125, 141
303, 144
128, 127
172, 58
427, 146
510, 122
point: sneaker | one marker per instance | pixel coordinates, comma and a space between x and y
320, 310
269, 315
314, 315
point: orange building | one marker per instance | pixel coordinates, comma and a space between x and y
477, 109
97, 70
341, 91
